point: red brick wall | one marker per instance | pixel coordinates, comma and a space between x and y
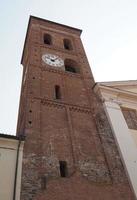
73, 129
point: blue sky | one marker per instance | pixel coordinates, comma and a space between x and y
109, 37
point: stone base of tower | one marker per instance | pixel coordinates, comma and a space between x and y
79, 188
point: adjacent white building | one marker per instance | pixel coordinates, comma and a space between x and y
120, 104
11, 151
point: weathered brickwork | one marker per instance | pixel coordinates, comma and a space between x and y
73, 129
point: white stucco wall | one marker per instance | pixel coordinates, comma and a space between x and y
125, 142
8, 152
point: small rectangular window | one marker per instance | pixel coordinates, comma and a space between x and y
130, 116
57, 92
43, 182
63, 168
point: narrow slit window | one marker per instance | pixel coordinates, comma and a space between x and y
43, 182
47, 39
57, 92
63, 168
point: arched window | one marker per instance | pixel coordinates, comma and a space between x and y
47, 39
71, 66
67, 44
57, 92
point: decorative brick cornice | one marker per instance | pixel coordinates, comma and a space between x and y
76, 75
51, 104
61, 105
79, 109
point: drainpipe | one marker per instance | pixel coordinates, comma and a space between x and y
16, 167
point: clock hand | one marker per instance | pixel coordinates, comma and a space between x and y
56, 58
53, 59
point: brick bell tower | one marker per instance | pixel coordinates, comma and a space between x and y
69, 152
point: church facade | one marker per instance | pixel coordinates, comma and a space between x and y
119, 101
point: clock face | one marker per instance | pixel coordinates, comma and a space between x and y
52, 60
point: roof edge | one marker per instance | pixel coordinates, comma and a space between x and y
70, 27
2, 135
118, 83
